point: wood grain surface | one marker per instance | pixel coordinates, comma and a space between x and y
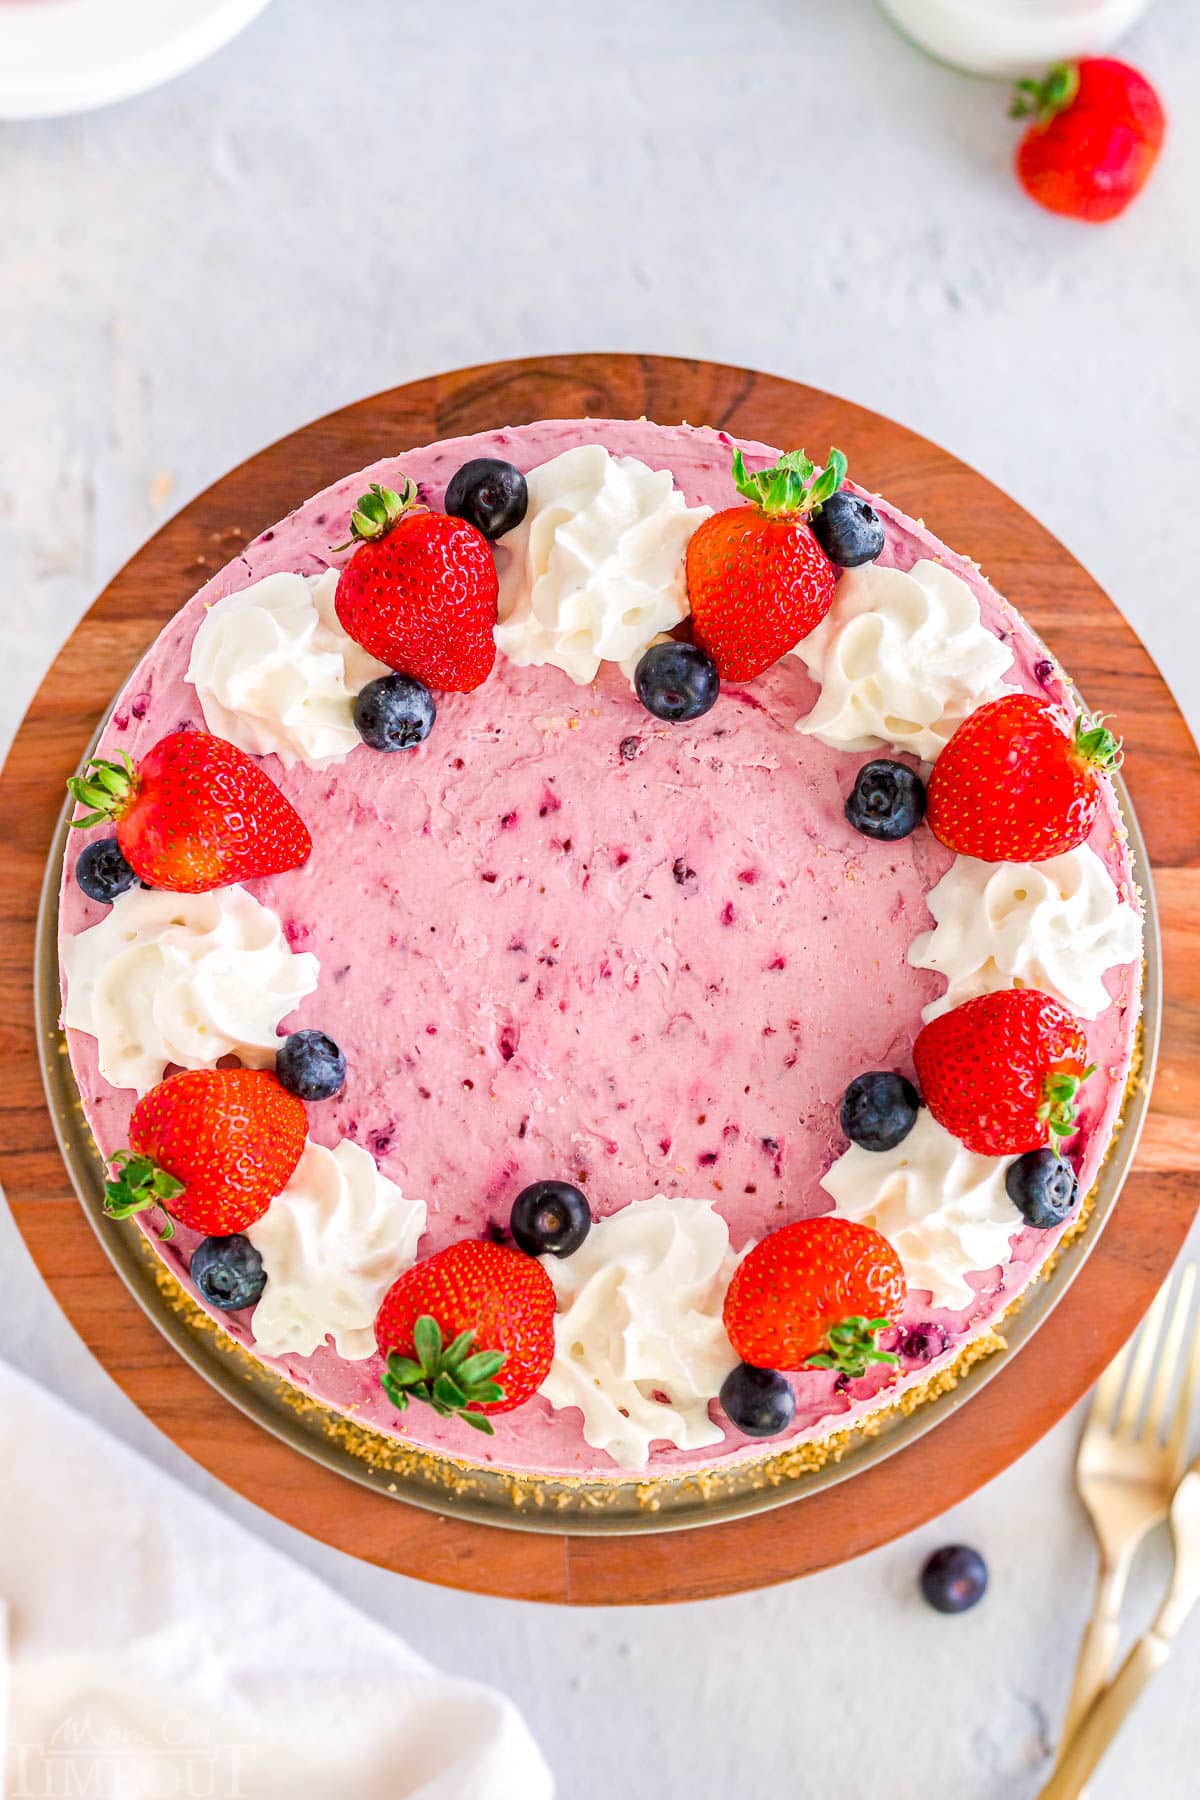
1007, 1416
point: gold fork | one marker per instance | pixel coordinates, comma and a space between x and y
1082, 1752
1129, 1467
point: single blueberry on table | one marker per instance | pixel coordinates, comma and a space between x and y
848, 529
887, 801
879, 1110
1042, 1188
490, 494
760, 1402
954, 1579
102, 872
228, 1272
310, 1065
677, 682
550, 1218
394, 712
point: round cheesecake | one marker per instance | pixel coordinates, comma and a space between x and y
562, 939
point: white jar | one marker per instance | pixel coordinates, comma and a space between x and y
1013, 37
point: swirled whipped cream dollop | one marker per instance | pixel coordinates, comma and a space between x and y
276, 674
332, 1243
1057, 925
182, 978
944, 1208
639, 1346
595, 570
901, 659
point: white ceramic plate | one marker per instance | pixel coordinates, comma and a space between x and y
1013, 37
68, 56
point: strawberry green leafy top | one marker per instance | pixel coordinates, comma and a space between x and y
793, 485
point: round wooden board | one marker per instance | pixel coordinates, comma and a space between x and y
1008, 1415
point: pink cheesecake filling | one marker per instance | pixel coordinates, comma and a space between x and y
564, 940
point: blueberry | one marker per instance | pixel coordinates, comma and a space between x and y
923, 1342
677, 681
489, 494
879, 1110
759, 1402
396, 712
228, 1271
551, 1218
311, 1066
102, 871
887, 801
954, 1579
848, 529
1042, 1188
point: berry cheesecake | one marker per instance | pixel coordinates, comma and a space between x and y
595, 948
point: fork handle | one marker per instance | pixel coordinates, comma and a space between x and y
1099, 1647
1100, 1727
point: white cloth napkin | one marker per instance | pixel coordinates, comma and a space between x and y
155, 1649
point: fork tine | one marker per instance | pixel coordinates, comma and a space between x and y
1177, 1442
1170, 1357
1143, 1364
1108, 1389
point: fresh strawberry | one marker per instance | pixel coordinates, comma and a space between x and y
457, 1321
196, 813
1013, 785
1097, 130
1002, 1073
815, 1295
212, 1147
757, 579
420, 591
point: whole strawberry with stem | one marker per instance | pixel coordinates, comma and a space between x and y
815, 1295
1096, 133
469, 1331
757, 579
1002, 1072
211, 1147
1015, 784
195, 813
419, 592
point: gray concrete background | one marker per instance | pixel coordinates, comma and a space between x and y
352, 197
